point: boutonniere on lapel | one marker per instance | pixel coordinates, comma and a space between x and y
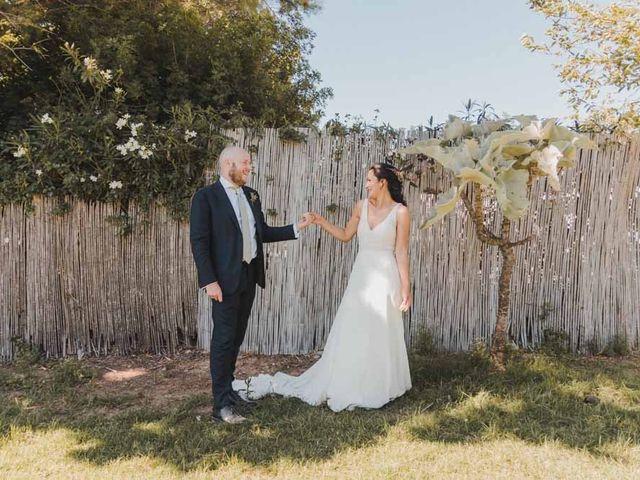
253, 198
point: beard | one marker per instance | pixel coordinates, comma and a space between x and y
236, 177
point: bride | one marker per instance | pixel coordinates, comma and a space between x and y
364, 362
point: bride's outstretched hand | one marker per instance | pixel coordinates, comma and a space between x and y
316, 218
406, 302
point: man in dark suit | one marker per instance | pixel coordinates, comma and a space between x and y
227, 231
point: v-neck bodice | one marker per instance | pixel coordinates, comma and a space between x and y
380, 237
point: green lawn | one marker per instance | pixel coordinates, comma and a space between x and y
62, 420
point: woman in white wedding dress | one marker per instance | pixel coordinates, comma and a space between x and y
364, 362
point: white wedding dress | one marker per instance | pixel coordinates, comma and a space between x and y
364, 362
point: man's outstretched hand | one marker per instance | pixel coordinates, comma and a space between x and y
307, 219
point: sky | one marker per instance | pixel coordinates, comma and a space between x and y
411, 59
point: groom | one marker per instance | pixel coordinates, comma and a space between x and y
227, 232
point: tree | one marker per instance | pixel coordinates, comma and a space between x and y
494, 159
243, 58
598, 47
22, 32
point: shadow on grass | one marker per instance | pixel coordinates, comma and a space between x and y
455, 399
181, 436
538, 399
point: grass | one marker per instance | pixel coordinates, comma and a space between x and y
460, 420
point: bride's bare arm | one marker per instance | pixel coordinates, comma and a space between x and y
343, 234
402, 255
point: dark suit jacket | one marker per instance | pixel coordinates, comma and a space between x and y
216, 237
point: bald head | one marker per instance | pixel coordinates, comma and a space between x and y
235, 164
232, 153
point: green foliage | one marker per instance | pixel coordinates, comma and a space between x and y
291, 135
333, 207
23, 33
244, 61
555, 342
502, 157
480, 355
335, 128
341, 127
71, 373
477, 112
25, 355
595, 45
617, 346
122, 223
115, 101
424, 343
89, 147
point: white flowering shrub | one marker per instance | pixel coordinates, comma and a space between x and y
90, 147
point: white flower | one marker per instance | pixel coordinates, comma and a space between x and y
20, 152
122, 149
145, 152
115, 184
90, 63
38, 172
122, 121
106, 74
188, 134
153, 147
93, 178
81, 179
46, 118
134, 129
118, 91
132, 145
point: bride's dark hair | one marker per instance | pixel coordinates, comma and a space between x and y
386, 171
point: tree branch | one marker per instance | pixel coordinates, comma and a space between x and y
476, 211
521, 242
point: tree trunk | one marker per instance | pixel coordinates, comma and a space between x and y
499, 340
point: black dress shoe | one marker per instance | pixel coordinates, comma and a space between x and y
226, 415
237, 400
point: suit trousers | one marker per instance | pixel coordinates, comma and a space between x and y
230, 318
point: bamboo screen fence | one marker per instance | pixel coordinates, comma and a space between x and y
69, 284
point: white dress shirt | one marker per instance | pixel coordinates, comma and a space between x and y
234, 193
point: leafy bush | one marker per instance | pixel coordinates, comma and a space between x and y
97, 151
123, 100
